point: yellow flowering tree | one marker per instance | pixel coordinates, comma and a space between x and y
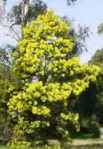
51, 75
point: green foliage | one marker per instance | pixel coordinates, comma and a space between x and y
90, 126
50, 76
97, 59
100, 28
6, 81
36, 8
85, 106
50, 144
19, 145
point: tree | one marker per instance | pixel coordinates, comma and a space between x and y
8, 83
100, 28
7, 80
27, 11
71, 1
97, 59
20, 14
51, 77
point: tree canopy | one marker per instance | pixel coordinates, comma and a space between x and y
51, 77
7, 80
97, 59
71, 1
35, 8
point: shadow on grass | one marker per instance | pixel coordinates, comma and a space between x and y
82, 135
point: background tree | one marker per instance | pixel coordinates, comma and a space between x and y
7, 80
97, 59
100, 28
52, 76
18, 16
8, 83
69, 2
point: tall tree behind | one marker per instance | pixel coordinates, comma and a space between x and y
26, 11
2, 8
69, 2
6, 81
97, 59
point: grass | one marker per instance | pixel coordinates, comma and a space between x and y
3, 147
82, 135
77, 144
79, 139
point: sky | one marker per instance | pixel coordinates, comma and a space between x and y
84, 12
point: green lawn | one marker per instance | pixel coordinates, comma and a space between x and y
3, 147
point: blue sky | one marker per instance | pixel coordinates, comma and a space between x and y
84, 12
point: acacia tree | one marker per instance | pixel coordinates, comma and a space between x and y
52, 75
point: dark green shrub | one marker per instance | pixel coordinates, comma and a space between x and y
90, 126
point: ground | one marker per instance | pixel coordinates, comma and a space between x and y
87, 141
3, 147
77, 142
